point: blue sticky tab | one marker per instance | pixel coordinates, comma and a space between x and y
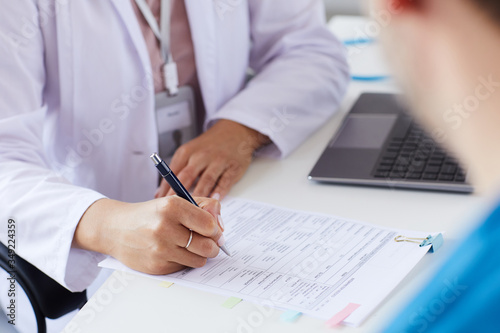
435, 241
290, 316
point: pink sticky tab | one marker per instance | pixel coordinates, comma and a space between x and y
342, 315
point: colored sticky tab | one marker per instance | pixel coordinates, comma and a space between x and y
342, 315
166, 284
231, 302
290, 316
435, 241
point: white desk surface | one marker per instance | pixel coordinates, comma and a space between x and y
129, 303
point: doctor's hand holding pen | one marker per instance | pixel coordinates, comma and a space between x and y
216, 159
160, 236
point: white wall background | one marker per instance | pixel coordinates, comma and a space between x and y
336, 7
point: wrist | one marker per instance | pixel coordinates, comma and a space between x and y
253, 139
93, 230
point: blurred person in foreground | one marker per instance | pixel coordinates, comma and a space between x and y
446, 55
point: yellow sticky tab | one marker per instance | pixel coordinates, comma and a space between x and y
166, 284
231, 302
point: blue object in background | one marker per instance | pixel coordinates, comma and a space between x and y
360, 41
464, 295
352, 42
370, 78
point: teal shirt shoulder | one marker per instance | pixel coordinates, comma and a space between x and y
464, 295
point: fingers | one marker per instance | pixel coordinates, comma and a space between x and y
179, 161
217, 180
203, 247
230, 177
162, 190
178, 260
189, 174
209, 179
214, 161
167, 268
192, 260
179, 256
196, 254
152, 236
199, 245
191, 217
210, 205
213, 207
180, 158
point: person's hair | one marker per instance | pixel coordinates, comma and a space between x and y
491, 7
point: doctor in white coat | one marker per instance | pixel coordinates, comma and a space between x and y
77, 124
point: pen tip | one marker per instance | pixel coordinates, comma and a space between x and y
226, 251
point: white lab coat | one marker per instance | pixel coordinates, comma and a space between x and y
76, 104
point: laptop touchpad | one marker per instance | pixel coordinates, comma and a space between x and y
365, 131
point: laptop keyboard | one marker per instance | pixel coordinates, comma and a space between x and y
416, 157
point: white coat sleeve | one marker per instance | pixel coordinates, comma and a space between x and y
46, 208
301, 74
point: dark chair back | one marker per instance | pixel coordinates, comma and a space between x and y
48, 298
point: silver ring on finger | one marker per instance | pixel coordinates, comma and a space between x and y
190, 239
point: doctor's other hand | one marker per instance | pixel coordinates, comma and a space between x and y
216, 160
151, 236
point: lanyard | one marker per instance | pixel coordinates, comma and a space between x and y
162, 33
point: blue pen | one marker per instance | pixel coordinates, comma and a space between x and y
176, 185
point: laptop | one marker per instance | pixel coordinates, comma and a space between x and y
379, 144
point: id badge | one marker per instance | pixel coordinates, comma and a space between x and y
176, 120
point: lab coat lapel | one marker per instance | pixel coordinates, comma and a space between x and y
126, 12
201, 16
